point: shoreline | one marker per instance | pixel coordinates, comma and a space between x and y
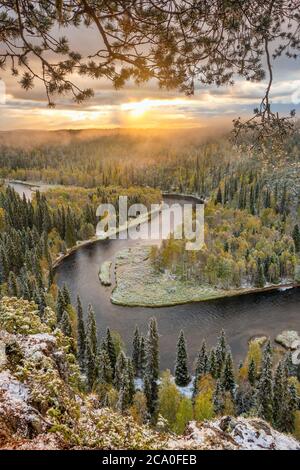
144, 287
261, 290
231, 294
96, 238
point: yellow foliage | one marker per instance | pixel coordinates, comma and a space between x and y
204, 408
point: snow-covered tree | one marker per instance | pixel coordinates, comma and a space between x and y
182, 376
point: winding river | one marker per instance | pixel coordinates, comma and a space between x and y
242, 317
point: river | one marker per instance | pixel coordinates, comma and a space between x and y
242, 317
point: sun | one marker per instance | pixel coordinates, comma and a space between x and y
137, 109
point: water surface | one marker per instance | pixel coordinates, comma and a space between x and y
242, 317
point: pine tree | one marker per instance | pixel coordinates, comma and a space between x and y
228, 380
252, 372
111, 350
202, 367
136, 344
264, 396
296, 238
152, 369
80, 334
91, 330
65, 324
182, 377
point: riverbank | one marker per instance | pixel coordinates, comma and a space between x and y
139, 285
111, 234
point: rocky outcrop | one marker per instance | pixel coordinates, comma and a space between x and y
43, 404
289, 339
230, 433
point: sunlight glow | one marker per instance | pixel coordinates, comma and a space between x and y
138, 109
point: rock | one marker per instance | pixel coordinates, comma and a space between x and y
289, 339
229, 433
2, 354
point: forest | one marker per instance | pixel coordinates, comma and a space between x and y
251, 237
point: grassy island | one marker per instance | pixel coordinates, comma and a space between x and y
139, 284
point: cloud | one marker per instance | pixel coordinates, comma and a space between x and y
146, 106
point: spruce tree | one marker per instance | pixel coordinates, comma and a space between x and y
91, 368
260, 275
131, 386
12, 285
91, 330
111, 350
80, 334
228, 380
60, 305
142, 356
288, 365
264, 395
104, 370
136, 345
152, 369
66, 296
41, 302
121, 365
65, 324
280, 397
293, 406
182, 377
218, 398
70, 235
124, 398
219, 198
252, 372
221, 352
296, 238
202, 367
213, 364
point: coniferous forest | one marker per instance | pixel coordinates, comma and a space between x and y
115, 336
251, 237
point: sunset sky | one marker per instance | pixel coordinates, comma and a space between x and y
147, 106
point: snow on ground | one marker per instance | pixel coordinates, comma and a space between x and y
185, 391
234, 433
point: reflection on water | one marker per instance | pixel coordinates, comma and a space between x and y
241, 317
